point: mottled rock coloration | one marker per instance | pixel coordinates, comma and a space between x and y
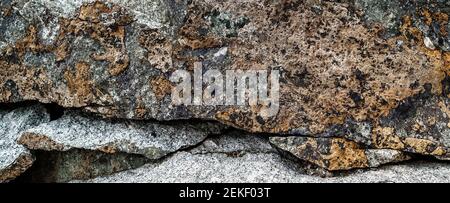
270, 169
337, 153
152, 140
115, 59
361, 83
14, 158
419, 125
224, 158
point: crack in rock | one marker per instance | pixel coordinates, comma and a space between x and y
152, 140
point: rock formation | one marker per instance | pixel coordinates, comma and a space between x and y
362, 83
14, 158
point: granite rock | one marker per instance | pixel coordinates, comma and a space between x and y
337, 153
235, 143
150, 139
361, 82
14, 158
270, 169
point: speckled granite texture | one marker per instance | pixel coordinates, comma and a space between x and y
362, 83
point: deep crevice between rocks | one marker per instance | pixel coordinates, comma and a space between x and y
77, 164
54, 110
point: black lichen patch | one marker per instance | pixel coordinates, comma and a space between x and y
446, 87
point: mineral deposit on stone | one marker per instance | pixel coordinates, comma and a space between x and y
336, 153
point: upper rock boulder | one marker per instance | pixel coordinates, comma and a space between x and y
336, 62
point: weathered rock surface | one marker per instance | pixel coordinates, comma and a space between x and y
222, 159
337, 153
271, 170
115, 58
14, 158
213, 162
234, 143
419, 125
231, 155
187, 167
152, 140
363, 81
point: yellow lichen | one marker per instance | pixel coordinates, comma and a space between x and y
79, 83
423, 146
384, 137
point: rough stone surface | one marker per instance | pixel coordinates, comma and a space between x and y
153, 140
270, 167
336, 153
420, 125
115, 58
235, 143
362, 83
14, 158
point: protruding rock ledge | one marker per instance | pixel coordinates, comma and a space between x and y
223, 159
336, 153
152, 140
232, 157
420, 125
14, 158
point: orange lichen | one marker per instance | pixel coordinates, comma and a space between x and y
38, 141
423, 146
109, 149
334, 68
79, 82
427, 17
384, 137
62, 51
112, 38
446, 110
442, 19
329, 74
159, 49
161, 87
29, 43
330, 153
346, 155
